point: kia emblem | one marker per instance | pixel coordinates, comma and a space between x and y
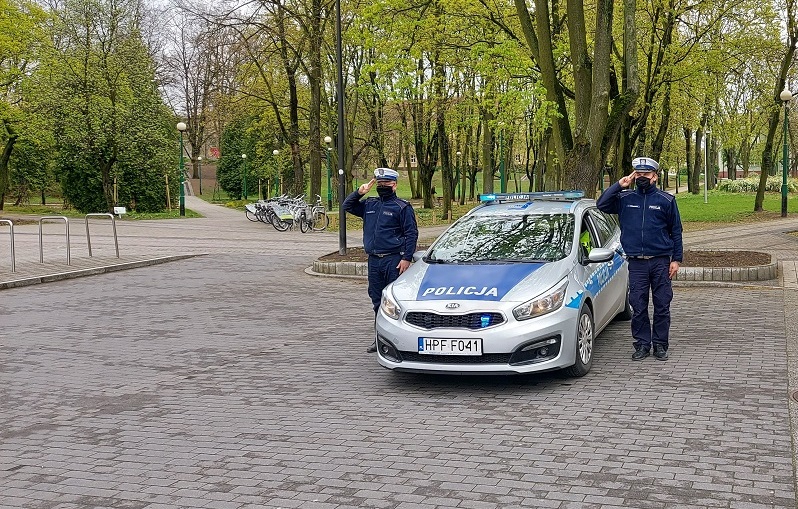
452, 305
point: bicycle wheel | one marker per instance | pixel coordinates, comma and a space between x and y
320, 221
252, 216
304, 224
265, 216
280, 225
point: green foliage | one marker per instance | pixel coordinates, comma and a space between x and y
751, 185
96, 86
231, 166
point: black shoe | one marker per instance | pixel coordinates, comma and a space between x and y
372, 348
660, 353
640, 354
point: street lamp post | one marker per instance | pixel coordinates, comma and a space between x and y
786, 97
181, 126
275, 153
199, 164
328, 140
244, 159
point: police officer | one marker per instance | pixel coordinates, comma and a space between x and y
651, 236
389, 232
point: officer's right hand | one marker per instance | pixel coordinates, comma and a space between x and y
365, 188
627, 180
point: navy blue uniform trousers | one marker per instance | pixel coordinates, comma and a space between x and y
644, 276
382, 272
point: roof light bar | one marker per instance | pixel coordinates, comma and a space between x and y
544, 195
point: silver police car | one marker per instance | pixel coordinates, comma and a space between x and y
522, 283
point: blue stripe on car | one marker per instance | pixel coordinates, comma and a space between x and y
472, 282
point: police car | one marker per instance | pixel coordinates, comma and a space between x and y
522, 283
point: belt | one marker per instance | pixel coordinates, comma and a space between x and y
645, 257
383, 255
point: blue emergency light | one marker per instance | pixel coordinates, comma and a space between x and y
542, 195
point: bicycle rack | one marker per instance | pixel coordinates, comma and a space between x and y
11, 232
66, 229
113, 224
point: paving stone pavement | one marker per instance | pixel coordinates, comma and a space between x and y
235, 380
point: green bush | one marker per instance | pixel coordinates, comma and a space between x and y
751, 185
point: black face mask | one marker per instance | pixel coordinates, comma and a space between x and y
643, 183
385, 191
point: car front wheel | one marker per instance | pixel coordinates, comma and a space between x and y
584, 344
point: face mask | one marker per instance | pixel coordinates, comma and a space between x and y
643, 183
384, 191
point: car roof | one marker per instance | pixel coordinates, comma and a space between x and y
560, 202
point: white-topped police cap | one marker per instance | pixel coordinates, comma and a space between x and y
386, 174
645, 163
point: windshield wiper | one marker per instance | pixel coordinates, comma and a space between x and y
434, 260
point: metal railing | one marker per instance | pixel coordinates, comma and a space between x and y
66, 227
113, 225
11, 232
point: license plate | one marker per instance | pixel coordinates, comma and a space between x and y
441, 346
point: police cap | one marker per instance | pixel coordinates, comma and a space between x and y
645, 164
386, 174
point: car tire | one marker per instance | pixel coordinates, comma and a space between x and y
585, 336
626, 314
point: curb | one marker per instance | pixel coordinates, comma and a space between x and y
72, 274
685, 275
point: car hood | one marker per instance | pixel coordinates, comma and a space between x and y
516, 282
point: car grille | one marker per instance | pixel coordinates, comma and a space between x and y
469, 321
489, 358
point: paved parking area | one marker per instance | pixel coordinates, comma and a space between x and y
236, 380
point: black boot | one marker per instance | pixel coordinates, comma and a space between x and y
660, 353
372, 348
640, 354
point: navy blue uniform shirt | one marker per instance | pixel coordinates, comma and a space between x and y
650, 222
389, 224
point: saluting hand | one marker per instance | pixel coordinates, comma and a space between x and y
365, 188
627, 180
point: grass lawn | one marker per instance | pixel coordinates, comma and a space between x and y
721, 209
55, 207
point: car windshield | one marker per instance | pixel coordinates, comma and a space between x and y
505, 239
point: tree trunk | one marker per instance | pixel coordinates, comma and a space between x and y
487, 152
688, 150
5, 174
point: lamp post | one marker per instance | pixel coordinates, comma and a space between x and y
244, 170
275, 153
328, 140
786, 97
199, 164
181, 126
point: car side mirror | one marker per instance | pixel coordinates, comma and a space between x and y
418, 255
600, 255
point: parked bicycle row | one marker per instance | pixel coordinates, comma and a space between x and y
286, 213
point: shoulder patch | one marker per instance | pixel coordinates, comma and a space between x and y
666, 195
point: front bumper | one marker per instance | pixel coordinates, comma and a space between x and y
512, 347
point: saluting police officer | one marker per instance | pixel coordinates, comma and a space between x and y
651, 236
390, 232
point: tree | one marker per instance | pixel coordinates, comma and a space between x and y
21, 37
96, 84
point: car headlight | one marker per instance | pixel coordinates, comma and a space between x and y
389, 306
551, 301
